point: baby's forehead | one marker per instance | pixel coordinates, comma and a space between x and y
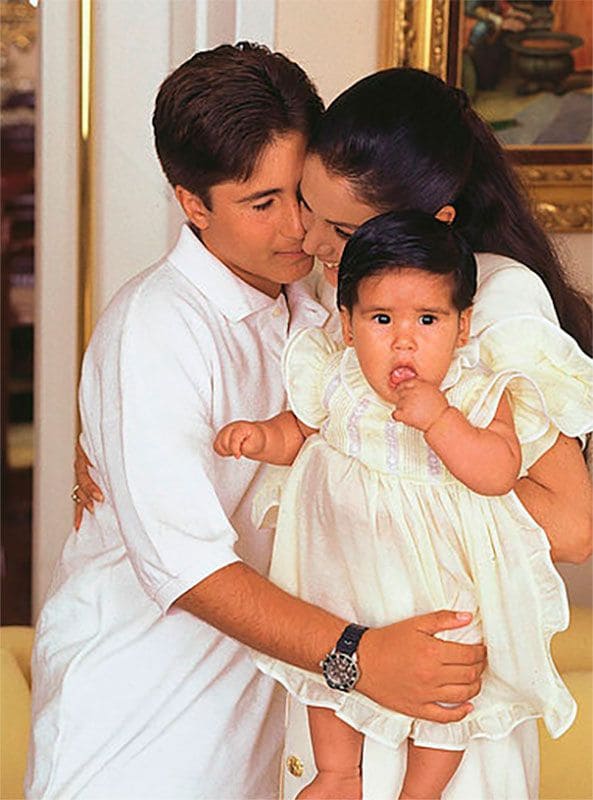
399, 293
407, 281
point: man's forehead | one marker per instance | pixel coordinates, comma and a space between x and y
277, 169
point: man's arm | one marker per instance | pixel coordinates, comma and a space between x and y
403, 666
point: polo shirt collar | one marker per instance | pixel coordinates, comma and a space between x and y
234, 298
305, 309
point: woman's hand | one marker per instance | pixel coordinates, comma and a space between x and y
557, 493
87, 490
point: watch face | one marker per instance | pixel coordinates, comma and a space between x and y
340, 671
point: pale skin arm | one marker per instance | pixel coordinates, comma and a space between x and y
556, 492
487, 460
275, 441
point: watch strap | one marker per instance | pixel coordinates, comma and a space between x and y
348, 641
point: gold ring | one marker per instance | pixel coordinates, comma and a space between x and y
74, 494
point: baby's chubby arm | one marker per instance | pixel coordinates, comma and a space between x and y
486, 460
275, 441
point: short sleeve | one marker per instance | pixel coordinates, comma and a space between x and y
153, 443
549, 380
554, 362
306, 362
518, 332
535, 430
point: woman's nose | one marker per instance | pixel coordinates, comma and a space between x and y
316, 243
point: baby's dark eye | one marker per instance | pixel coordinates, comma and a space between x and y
382, 319
427, 319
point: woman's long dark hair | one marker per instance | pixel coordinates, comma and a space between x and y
406, 140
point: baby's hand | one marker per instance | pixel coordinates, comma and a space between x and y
418, 404
240, 438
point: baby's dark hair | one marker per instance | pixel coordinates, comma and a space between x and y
401, 239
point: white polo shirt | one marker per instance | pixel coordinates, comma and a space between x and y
133, 698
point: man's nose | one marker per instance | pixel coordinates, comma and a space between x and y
292, 227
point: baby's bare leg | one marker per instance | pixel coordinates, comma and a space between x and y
338, 752
429, 771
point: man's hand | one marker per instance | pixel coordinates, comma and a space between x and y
405, 668
418, 404
240, 438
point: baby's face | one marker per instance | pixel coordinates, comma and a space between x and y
405, 326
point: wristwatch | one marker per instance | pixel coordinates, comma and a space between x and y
340, 667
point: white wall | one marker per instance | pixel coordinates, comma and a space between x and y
131, 196
335, 41
129, 216
56, 351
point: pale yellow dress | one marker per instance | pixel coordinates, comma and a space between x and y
372, 526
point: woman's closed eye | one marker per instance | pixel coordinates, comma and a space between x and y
342, 233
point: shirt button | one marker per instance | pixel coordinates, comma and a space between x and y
276, 312
295, 766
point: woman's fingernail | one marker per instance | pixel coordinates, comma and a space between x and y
463, 616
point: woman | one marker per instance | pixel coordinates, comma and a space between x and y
403, 139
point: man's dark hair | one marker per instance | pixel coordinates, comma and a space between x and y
404, 239
216, 113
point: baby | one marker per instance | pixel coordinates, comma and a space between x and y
406, 451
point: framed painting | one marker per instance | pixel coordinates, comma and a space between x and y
526, 66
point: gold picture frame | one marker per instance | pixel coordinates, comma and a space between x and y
426, 34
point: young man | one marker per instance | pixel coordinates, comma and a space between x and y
141, 686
